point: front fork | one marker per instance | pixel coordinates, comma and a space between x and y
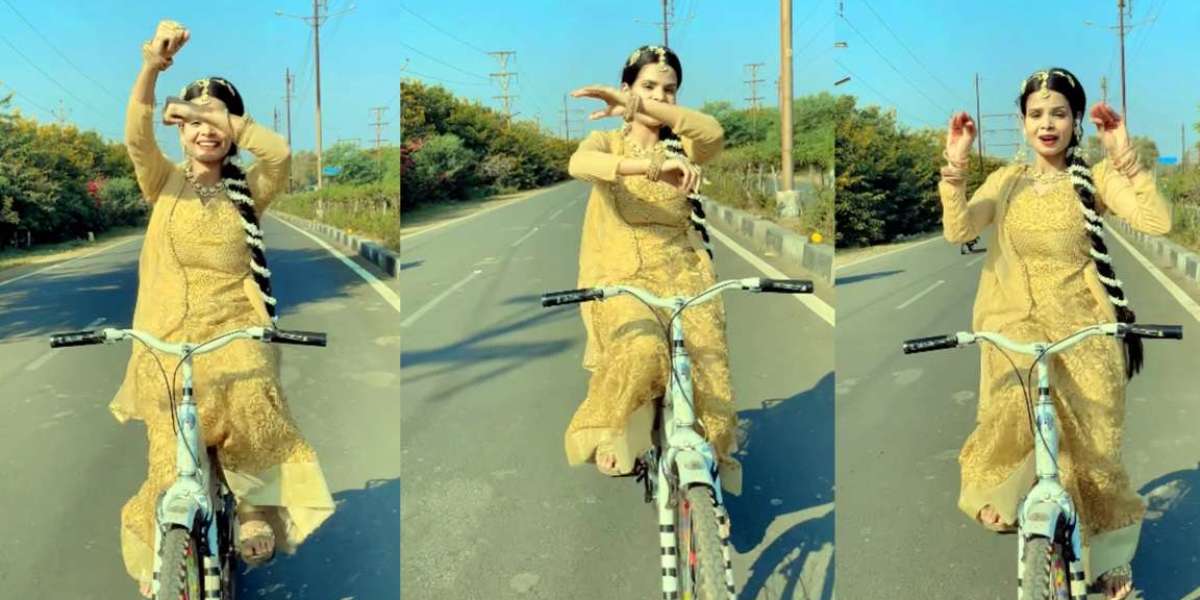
1048, 511
188, 502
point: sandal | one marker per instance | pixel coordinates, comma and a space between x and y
626, 446
144, 588
254, 530
1108, 582
997, 526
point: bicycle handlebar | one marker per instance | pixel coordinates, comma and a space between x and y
276, 336
751, 284
942, 342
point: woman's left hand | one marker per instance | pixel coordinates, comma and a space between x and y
1110, 127
614, 98
179, 112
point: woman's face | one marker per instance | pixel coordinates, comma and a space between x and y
202, 141
1049, 123
654, 83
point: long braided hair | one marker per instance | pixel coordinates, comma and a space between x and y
234, 179
1065, 83
647, 55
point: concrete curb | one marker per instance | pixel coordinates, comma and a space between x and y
386, 260
769, 237
1183, 260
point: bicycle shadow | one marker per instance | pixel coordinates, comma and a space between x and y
355, 554
1169, 548
849, 279
787, 467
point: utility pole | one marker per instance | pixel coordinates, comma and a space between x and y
979, 124
754, 81
1124, 108
62, 114
666, 24
1182, 147
378, 125
786, 198
566, 113
317, 19
288, 81
1104, 88
504, 75
275, 120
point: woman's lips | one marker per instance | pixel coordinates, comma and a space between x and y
1048, 140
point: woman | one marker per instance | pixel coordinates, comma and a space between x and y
641, 229
1048, 274
202, 272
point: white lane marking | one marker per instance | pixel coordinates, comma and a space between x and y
405, 236
389, 296
973, 261
555, 214
442, 296
888, 253
809, 301
921, 294
43, 359
525, 237
65, 262
1173, 289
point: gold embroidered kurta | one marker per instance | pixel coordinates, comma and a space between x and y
194, 283
1039, 282
637, 232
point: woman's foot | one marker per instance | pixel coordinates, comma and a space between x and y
1117, 584
606, 462
989, 518
256, 539
144, 590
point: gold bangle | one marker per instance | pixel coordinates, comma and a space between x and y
632, 106
657, 158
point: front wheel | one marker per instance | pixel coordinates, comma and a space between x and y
702, 546
1045, 575
181, 576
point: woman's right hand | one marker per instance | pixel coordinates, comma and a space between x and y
683, 175
160, 51
960, 135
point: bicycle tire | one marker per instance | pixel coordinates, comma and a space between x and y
181, 576
1045, 573
706, 547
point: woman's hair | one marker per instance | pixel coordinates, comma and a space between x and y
236, 187
1065, 83
649, 55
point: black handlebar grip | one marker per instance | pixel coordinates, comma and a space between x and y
570, 296
929, 344
299, 338
76, 338
1170, 332
787, 286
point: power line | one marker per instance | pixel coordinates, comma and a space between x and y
27, 99
422, 75
907, 49
447, 33
889, 63
60, 54
440, 61
45, 74
858, 79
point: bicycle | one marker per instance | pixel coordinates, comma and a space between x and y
679, 470
194, 550
1049, 551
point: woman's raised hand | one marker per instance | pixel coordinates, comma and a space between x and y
960, 135
614, 100
160, 51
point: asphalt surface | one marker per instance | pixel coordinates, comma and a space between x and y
491, 379
69, 466
901, 421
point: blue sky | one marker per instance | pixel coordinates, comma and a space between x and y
559, 46
1006, 41
243, 41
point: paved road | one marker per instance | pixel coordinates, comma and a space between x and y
490, 379
69, 466
902, 419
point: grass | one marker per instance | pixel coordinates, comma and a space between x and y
48, 253
816, 216
368, 211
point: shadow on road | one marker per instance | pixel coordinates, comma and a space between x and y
1165, 563
355, 554
865, 277
71, 296
482, 348
787, 466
